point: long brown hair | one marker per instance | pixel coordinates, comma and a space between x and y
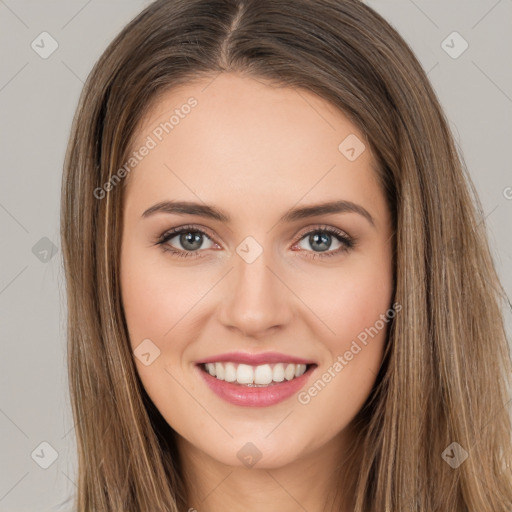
444, 375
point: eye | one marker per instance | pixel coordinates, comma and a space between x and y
321, 240
190, 240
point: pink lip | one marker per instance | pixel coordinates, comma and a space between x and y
255, 359
239, 394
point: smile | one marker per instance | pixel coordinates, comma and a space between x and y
255, 380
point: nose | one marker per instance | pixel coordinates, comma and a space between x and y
257, 301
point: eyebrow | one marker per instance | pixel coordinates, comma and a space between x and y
204, 210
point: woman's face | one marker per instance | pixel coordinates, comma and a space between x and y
262, 281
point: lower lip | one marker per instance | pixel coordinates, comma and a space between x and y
238, 394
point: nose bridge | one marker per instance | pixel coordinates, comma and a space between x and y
256, 300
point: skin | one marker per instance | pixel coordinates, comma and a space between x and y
255, 151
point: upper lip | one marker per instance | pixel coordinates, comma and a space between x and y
254, 359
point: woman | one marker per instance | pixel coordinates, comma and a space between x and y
280, 292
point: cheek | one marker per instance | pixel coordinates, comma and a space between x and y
344, 382
365, 297
354, 304
348, 299
142, 298
155, 296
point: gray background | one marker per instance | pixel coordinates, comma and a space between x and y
38, 98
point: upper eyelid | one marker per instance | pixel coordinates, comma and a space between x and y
171, 233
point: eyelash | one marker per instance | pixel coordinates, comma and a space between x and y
346, 241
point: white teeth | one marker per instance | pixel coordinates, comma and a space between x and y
300, 369
278, 373
289, 372
230, 372
261, 375
244, 374
219, 371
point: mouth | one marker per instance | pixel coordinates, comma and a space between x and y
255, 385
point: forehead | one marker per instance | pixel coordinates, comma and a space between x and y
231, 138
